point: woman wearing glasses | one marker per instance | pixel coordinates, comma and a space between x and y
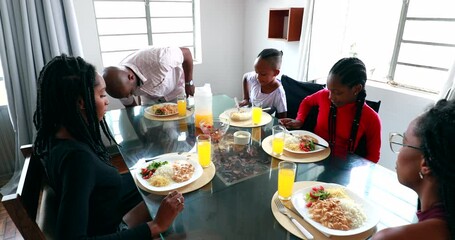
426, 164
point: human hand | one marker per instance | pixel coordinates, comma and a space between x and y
244, 102
169, 208
189, 90
290, 123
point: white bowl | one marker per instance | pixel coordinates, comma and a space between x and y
242, 137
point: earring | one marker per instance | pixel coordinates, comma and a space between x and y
355, 94
421, 175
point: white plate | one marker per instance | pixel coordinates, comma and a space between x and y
302, 132
298, 200
150, 112
197, 173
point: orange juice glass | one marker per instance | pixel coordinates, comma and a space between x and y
278, 137
204, 150
256, 112
181, 105
286, 177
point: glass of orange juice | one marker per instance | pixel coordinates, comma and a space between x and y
278, 137
204, 149
181, 105
256, 112
286, 176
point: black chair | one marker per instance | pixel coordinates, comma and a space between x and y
295, 92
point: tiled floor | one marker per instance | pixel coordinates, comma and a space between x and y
8, 230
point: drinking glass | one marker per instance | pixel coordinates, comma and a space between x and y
181, 105
204, 149
278, 137
256, 112
286, 176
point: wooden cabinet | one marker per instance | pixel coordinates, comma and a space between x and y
285, 23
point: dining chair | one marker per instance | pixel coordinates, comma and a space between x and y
32, 207
296, 91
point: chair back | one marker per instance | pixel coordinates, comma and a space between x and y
24, 206
295, 92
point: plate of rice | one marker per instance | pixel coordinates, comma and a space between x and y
168, 173
162, 110
301, 142
335, 210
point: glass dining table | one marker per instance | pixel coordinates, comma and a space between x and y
236, 203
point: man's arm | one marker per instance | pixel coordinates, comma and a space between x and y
188, 71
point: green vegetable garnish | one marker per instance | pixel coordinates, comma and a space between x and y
155, 165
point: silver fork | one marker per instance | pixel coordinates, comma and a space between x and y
284, 211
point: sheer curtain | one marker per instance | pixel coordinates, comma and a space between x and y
32, 32
305, 41
448, 91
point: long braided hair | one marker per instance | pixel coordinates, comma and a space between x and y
351, 72
62, 83
436, 131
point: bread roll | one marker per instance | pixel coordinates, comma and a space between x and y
240, 116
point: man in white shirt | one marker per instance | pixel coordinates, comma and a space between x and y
155, 74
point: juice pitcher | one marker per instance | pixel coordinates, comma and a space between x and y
203, 105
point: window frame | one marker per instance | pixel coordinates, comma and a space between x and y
397, 47
149, 31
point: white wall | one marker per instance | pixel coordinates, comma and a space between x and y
398, 108
256, 35
222, 26
233, 33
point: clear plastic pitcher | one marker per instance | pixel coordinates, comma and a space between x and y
203, 105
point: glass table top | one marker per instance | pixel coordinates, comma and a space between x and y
236, 203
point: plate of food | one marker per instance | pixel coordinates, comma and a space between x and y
168, 173
238, 115
162, 110
335, 210
304, 142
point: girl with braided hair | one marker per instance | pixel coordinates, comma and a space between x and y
343, 117
426, 164
94, 200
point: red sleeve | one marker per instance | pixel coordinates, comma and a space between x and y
373, 136
308, 102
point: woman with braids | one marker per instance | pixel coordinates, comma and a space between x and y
343, 117
426, 164
94, 200
262, 85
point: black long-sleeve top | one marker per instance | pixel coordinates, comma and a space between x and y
89, 193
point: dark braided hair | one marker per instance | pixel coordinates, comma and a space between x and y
62, 83
351, 72
272, 56
436, 131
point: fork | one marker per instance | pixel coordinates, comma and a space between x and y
284, 211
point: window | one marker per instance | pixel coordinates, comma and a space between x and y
127, 25
406, 43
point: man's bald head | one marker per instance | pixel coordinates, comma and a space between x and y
117, 82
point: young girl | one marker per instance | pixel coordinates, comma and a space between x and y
262, 84
426, 164
92, 196
343, 117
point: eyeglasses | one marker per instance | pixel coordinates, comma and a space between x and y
396, 143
